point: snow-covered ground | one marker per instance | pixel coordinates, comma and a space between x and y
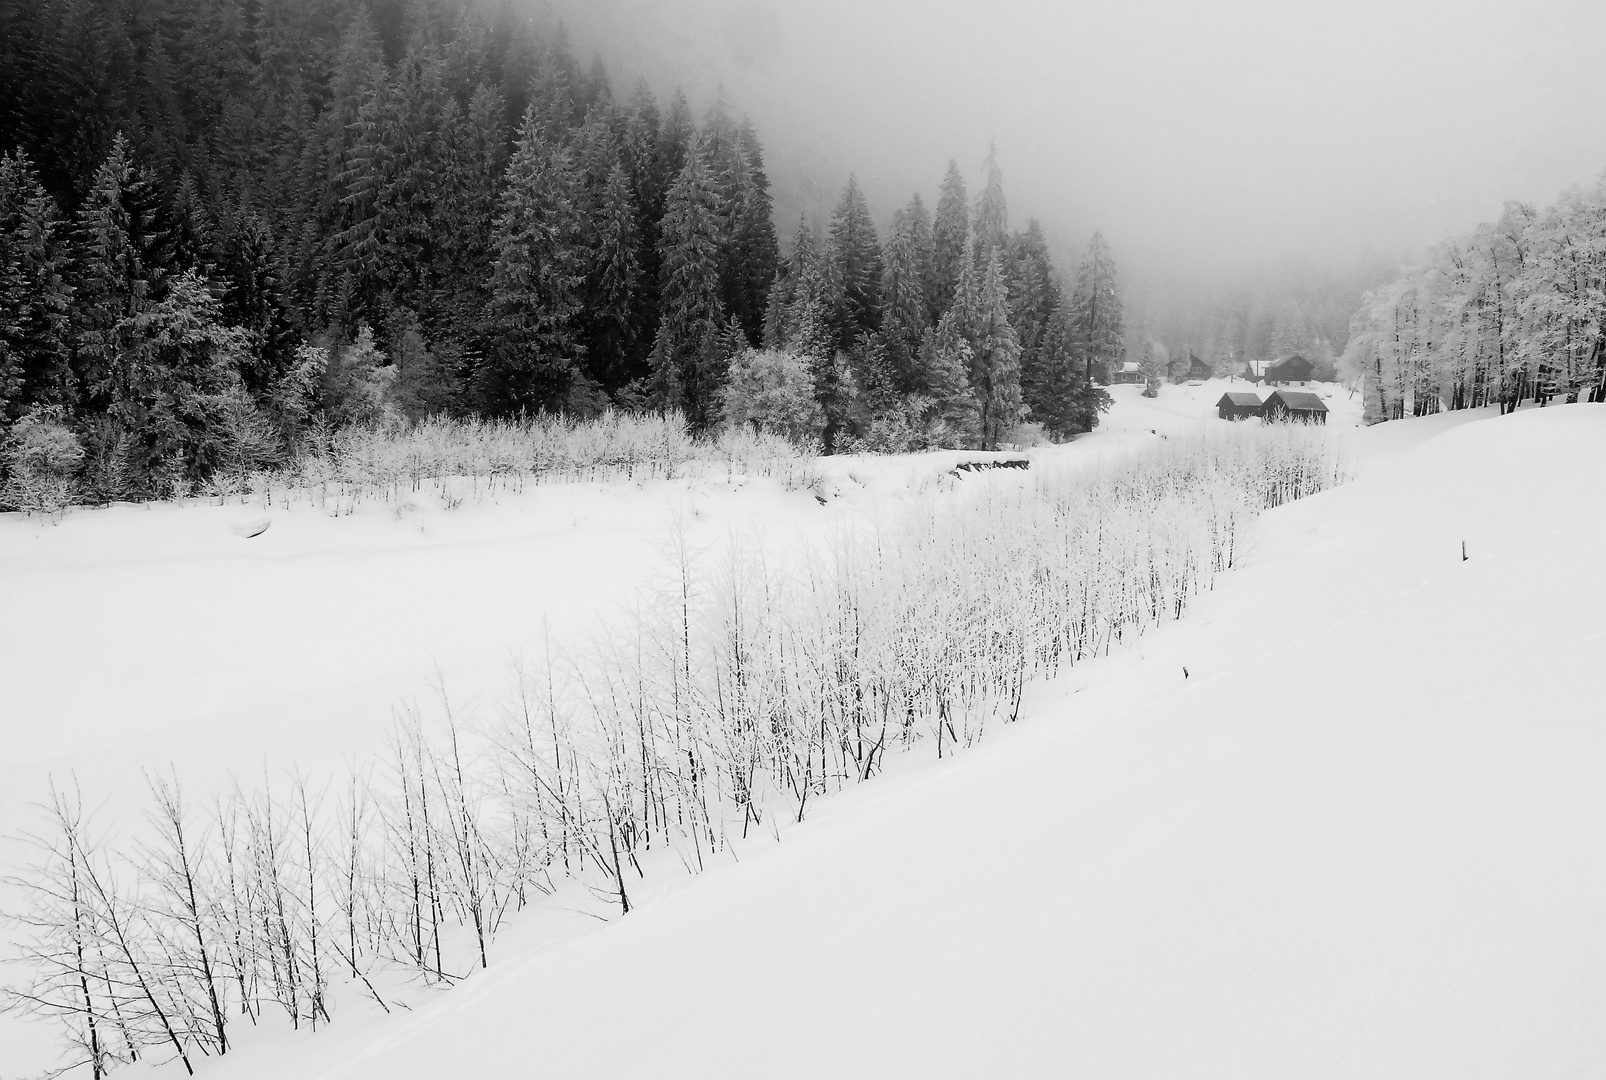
1365, 836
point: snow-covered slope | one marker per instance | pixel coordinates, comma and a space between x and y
1362, 837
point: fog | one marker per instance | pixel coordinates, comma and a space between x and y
1202, 137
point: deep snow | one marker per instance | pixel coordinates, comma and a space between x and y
1363, 837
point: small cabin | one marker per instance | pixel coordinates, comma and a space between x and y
1198, 369
1294, 405
1238, 405
1129, 372
1294, 371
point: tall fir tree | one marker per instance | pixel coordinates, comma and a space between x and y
950, 241
992, 213
612, 286
532, 346
1056, 387
121, 252
905, 316
35, 297
855, 257
995, 364
687, 356
1096, 318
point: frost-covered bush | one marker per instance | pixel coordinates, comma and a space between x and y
41, 458
772, 390
357, 381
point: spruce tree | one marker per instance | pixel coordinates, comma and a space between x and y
255, 299
905, 316
169, 386
945, 361
756, 251
118, 248
532, 346
855, 259
676, 134
1056, 387
788, 292
1096, 318
687, 354
35, 298
995, 365
992, 213
950, 241
611, 287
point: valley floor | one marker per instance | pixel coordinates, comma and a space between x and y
1345, 819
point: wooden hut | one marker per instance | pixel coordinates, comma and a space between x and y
1238, 405
1294, 405
1294, 371
1129, 372
1197, 368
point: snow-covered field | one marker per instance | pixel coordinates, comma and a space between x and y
1365, 835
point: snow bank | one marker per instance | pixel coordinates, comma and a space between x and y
1361, 838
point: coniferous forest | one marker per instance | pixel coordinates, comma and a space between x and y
227, 224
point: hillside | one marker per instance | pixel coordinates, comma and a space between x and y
1359, 837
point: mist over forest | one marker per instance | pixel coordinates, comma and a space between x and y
1255, 170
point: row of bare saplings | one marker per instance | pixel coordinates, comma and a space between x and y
468, 459
744, 687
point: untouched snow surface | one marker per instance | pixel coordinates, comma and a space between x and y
1365, 836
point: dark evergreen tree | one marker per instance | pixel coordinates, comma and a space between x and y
755, 253
612, 287
35, 297
688, 355
855, 263
169, 384
1056, 386
531, 341
120, 256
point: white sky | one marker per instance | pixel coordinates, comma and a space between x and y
1198, 135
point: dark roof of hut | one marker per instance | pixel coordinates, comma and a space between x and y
1298, 401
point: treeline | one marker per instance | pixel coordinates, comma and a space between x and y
1514, 310
950, 334
225, 222
737, 694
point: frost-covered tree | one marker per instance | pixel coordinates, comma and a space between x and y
773, 390
995, 364
950, 242
1095, 312
992, 212
854, 256
35, 297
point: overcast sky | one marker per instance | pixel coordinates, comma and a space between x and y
1198, 135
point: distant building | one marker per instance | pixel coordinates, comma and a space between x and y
1294, 405
1294, 371
1238, 405
1129, 372
1198, 369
